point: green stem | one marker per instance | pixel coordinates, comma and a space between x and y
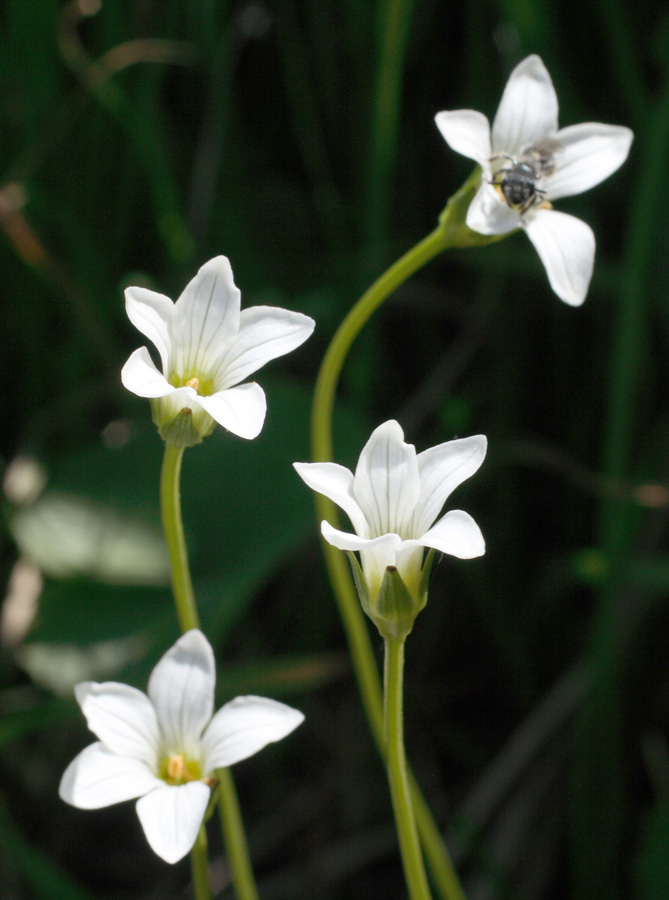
394, 21
412, 859
235, 838
350, 328
170, 507
450, 232
199, 866
184, 598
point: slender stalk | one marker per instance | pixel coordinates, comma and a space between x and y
235, 838
170, 508
350, 328
352, 616
394, 23
184, 598
412, 859
199, 866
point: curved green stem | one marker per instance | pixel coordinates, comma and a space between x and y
235, 838
199, 866
184, 598
170, 510
350, 328
412, 859
451, 232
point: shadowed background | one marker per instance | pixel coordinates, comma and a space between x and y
141, 138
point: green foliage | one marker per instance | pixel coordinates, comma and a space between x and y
142, 140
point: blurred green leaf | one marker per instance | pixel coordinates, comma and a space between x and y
244, 509
41, 873
15, 724
652, 864
288, 674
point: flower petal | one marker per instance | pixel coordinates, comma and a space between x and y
242, 727
181, 688
336, 483
588, 154
151, 313
240, 409
566, 246
376, 554
140, 376
122, 717
97, 777
441, 470
171, 818
467, 132
528, 112
386, 481
488, 213
265, 332
385, 545
457, 534
206, 318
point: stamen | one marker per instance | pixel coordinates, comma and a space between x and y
177, 767
193, 383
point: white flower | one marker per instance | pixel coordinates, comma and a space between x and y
393, 500
207, 346
527, 163
157, 748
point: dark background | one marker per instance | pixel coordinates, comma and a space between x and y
138, 141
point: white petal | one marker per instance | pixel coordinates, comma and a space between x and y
386, 481
206, 317
567, 249
457, 534
488, 213
588, 154
441, 470
122, 717
528, 111
181, 688
151, 313
97, 777
336, 483
140, 376
385, 545
467, 132
242, 727
171, 818
265, 332
240, 409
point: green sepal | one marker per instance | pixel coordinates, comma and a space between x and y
213, 801
395, 608
360, 583
453, 218
424, 578
181, 430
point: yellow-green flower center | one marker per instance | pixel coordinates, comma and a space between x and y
178, 769
203, 386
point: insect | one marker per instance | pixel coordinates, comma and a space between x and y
518, 181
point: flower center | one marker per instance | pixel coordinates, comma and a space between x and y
202, 386
178, 769
519, 180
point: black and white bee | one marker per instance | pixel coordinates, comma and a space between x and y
518, 180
